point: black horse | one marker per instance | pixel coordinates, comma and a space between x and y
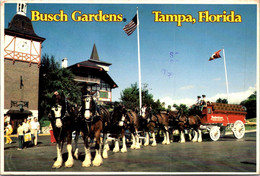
63, 120
93, 120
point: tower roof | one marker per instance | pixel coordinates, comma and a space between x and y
22, 26
94, 54
94, 57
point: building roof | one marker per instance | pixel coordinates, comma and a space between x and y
22, 26
93, 65
94, 57
81, 69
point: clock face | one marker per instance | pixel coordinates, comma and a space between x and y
23, 45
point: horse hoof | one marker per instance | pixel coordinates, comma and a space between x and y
146, 144
97, 164
68, 164
104, 154
132, 147
97, 161
115, 150
123, 150
56, 165
86, 163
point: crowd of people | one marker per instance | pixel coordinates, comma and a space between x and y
27, 132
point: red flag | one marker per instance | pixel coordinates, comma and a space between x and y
215, 55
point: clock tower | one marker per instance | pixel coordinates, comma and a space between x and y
22, 59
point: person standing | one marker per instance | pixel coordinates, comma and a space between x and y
9, 131
20, 133
35, 126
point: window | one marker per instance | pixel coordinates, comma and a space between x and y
103, 94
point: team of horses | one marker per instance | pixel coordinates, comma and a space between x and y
94, 122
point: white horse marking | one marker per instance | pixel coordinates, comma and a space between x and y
87, 108
87, 160
147, 140
98, 160
200, 136
143, 111
58, 123
154, 140
121, 123
57, 115
195, 138
182, 137
124, 149
116, 148
70, 161
57, 111
58, 162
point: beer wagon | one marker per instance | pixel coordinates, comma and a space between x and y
217, 117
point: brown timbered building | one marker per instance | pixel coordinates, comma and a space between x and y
22, 58
93, 72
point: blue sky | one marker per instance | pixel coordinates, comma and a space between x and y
174, 60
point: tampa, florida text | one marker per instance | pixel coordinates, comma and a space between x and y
78, 16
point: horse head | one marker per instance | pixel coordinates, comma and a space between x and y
87, 106
146, 112
58, 108
119, 115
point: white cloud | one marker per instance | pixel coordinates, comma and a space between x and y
234, 98
217, 79
187, 87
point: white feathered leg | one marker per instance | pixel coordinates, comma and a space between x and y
87, 160
154, 140
116, 148
182, 140
195, 138
70, 161
147, 140
124, 149
98, 160
190, 137
200, 136
168, 137
137, 141
164, 138
133, 142
58, 162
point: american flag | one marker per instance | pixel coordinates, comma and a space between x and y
131, 26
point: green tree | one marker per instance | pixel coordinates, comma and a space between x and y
250, 104
219, 100
183, 107
53, 78
130, 98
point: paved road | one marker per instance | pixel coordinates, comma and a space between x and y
226, 155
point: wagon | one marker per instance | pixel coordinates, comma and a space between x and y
217, 117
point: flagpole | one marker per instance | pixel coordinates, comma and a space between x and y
226, 74
139, 62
